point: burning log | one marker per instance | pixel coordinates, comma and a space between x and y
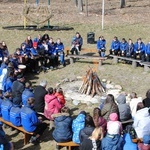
91, 84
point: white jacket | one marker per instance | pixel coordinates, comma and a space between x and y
142, 122
133, 105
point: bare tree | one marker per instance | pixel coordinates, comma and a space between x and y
80, 5
122, 3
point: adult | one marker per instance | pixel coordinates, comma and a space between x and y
63, 123
146, 143
109, 107
139, 49
142, 121
30, 121
130, 49
86, 132
133, 103
147, 52
124, 108
94, 141
146, 101
28, 92
112, 140
123, 47
17, 89
115, 46
76, 44
52, 105
39, 94
101, 46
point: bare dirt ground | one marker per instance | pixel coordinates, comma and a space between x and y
130, 22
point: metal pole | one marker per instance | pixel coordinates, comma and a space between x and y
48, 20
25, 20
87, 8
103, 7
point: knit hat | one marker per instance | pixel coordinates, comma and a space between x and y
146, 139
34, 44
113, 117
113, 128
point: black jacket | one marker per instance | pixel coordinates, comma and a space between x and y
39, 94
146, 102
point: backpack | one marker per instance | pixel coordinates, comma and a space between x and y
129, 129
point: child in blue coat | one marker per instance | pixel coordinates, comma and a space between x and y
101, 46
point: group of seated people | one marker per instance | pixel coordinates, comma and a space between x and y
125, 49
28, 108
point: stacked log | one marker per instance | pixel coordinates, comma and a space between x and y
91, 84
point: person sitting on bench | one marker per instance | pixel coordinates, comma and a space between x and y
139, 48
123, 47
101, 46
147, 52
115, 47
30, 122
130, 49
76, 44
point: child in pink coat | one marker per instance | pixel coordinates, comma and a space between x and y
114, 122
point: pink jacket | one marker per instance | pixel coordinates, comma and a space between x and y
114, 118
52, 106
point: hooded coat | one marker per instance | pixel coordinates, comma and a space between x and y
77, 125
142, 122
129, 145
124, 109
112, 142
62, 131
52, 106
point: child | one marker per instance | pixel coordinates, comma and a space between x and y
146, 143
114, 121
63, 123
99, 121
59, 94
77, 125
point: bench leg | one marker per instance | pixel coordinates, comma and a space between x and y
115, 59
26, 138
71, 60
100, 64
134, 64
146, 68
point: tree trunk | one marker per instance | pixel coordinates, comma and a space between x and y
80, 5
75, 2
122, 3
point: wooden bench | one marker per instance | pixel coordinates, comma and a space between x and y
146, 66
116, 59
27, 135
69, 145
137, 140
99, 59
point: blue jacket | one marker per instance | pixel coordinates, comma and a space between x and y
3, 65
59, 47
147, 49
5, 109
101, 44
15, 62
8, 84
15, 117
142, 47
129, 145
1, 53
77, 125
130, 49
115, 45
26, 94
62, 131
123, 46
112, 142
29, 119
76, 40
52, 49
0, 106
34, 51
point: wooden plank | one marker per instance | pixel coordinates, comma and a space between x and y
87, 57
72, 144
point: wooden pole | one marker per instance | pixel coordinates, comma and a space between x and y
103, 7
87, 8
25, 20
48, 20
80, 5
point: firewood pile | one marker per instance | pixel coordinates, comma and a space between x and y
91, 84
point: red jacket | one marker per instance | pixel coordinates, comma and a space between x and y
61, 98
52, 106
